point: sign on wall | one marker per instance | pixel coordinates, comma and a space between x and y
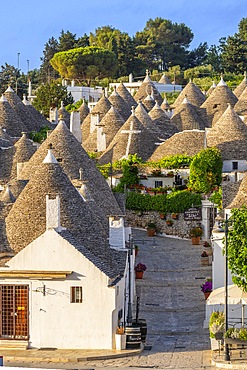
193, 214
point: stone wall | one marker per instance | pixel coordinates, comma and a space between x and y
179, 228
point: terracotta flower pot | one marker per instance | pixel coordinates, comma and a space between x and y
195, 240
206, 295
150, 232
139, 274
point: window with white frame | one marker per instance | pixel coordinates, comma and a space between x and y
76, 294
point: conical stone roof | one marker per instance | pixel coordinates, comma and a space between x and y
193, 93
185, 142
161, 120
218, 101
7, 197
241, 105
6, 158
165, 80
149, 103
9, 119
76, 215
147, 87
72, 157
101, 108
37, 116
186, 116
211, 89
229, 135
240, 200
118, 102
24, 149
132, 138
111, 123
84, 111
64, 115
241, 87
165, 105
126, 95
22, 111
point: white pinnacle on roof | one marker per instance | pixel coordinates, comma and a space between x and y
213, 84
9, 89
149, 97
25, 101
147, 78
50, 157
185, 101
3, 98
222, 82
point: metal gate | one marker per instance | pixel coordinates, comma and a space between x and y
14, 311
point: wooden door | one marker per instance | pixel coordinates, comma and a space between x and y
14, 311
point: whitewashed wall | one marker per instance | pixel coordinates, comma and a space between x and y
54, 321
227, 165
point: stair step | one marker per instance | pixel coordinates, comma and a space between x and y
13, 344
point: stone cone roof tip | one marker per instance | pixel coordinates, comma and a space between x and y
9, 89
25, 100
7, 196
50, 158
3, 98
222, 82
193, 93
126, 95
147, 78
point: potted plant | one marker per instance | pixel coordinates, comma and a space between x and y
120, 338
195, 235
139, 270
207, 246
204, 259
169, 222
206, 288
151, 228
174, 216
236, 336
216, 328
162, 215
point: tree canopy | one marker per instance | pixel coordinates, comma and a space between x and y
85, 63
51, 95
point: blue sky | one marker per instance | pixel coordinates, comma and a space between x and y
28, 24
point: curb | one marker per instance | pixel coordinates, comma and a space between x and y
71, 359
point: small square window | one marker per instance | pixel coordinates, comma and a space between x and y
235, 165
158, 184
76, 294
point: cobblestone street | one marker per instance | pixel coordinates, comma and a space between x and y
172, 304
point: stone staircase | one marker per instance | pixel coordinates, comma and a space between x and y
13, 344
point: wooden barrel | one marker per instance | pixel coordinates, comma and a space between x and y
133, 337
142, 323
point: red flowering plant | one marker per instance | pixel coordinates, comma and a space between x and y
204, 254
206, 244
140, 267
206, 287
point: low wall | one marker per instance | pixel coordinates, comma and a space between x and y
180, 227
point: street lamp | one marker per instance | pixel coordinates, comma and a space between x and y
226, 347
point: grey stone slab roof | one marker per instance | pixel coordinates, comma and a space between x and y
193, 93
165, 105
84, 111
4, 210
163, 122
185, 142
217, 103
142, 142
126, 95
64, 115
24, 149
72, 157
187, 116
145, 89
22, 111
113, 270
149, 103
111, 123
241, 105
229, 192
76, 214
240, 88
6, 158
101, 108
229, 135
240, 198
165, 80
38, 117
123, 108
211, 89
10, 120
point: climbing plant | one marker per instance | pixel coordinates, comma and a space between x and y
205, 170
237, 246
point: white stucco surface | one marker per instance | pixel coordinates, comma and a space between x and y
53, 320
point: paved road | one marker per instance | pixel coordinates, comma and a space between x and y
172, 304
